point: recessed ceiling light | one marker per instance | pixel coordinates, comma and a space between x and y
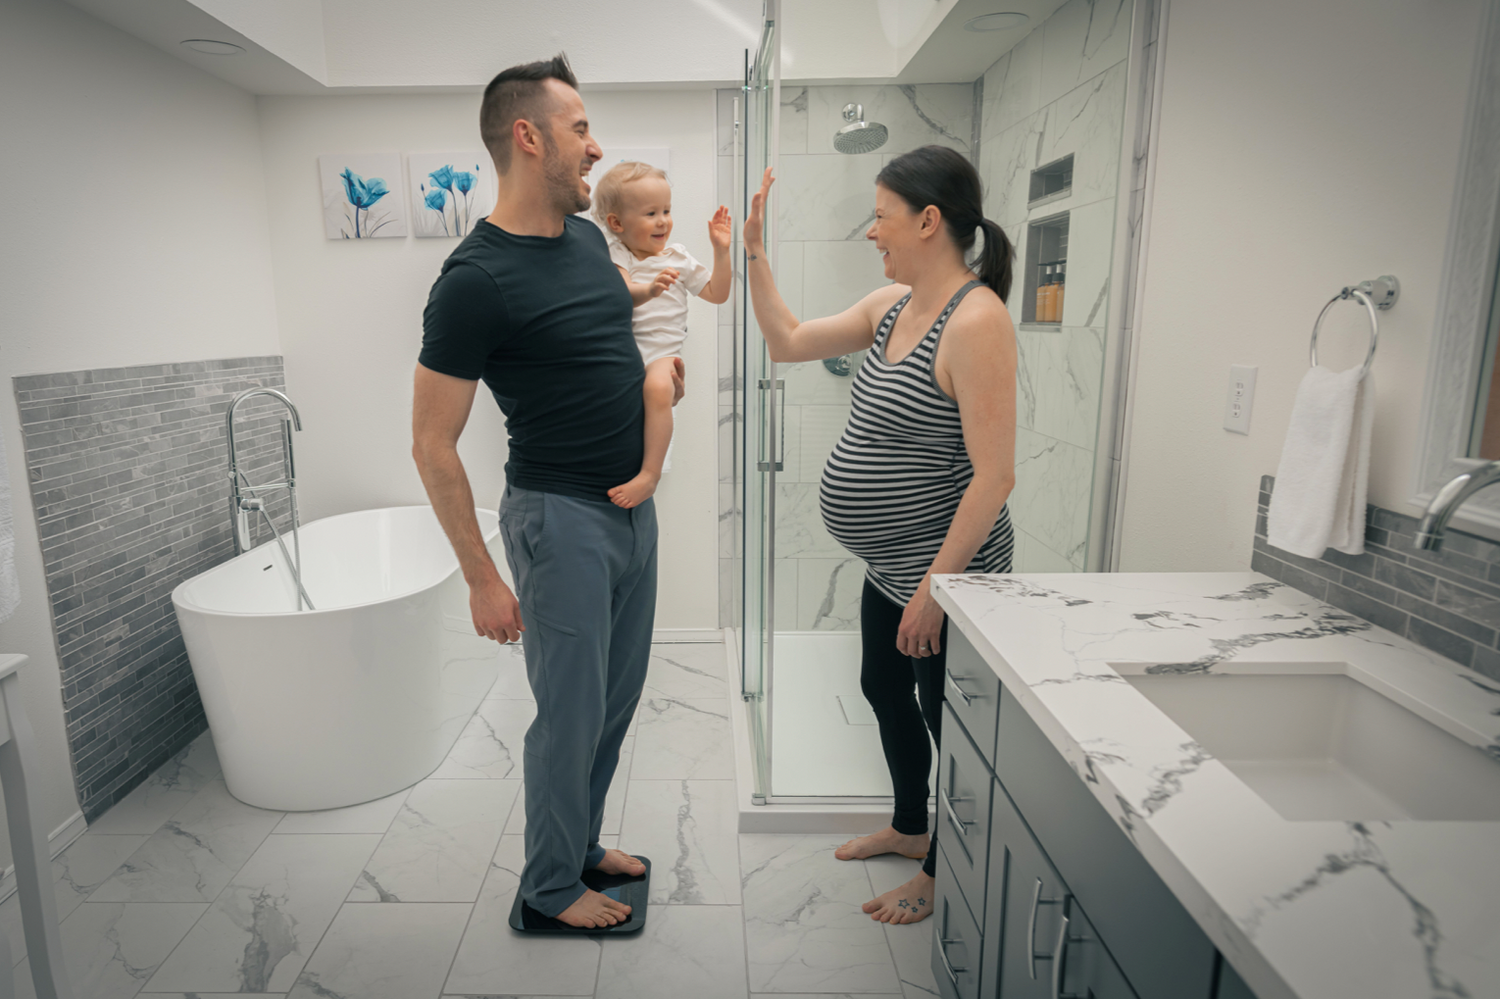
210, 47
1003, 21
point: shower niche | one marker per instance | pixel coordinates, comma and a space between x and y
1046, 271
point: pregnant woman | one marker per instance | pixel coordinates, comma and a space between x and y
918, 482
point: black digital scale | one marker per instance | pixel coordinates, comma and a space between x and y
633, 891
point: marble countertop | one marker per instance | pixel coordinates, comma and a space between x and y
1302, 909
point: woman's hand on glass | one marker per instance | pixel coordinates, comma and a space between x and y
755, 224
921, 631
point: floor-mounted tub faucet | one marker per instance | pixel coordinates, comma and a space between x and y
1454, 493
242, 505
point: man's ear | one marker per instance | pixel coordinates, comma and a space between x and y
527, 137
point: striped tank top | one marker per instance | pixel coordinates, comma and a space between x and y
893, 483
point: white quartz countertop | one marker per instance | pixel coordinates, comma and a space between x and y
1302, 909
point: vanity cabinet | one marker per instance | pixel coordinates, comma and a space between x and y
1045, 897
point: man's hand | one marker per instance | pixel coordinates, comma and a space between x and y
496, 612
679, 380
663, 281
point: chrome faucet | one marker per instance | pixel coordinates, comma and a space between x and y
1454, 493
242, 505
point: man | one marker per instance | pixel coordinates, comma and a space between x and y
531, 303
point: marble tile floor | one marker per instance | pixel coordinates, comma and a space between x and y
181, 891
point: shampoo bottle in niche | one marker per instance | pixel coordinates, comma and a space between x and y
1060, 280
1044, 294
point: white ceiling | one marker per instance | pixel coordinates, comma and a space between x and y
426, 46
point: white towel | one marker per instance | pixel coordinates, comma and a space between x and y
10, 587
1321, 482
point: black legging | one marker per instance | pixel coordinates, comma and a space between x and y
887, 678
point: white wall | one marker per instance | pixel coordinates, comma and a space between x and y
351, 316
1303, 147
135, 233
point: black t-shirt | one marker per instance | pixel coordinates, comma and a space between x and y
545, 321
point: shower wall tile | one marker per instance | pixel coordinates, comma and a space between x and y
1053, 489
1033, 556
799, 523
126, 467
729, 422
808, 383
837, 274
794, 102
790, 447
826, 196
725, 361
822, 426
789, 274
915, 115
1058, 383
1091, 238
1012, 88
1086, 123
1009, 157
724, 115
828, 593
1081, 40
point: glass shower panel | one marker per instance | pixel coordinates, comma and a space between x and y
756, 473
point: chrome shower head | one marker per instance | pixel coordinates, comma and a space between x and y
859, 136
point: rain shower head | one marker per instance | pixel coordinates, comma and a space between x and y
859, 136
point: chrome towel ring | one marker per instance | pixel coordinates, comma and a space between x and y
1380, 293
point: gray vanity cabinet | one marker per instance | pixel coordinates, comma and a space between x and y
1044, 883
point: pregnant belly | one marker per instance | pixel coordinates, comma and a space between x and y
881, 504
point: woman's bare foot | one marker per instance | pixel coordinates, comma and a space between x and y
888, 840
594, 911
911, 903
620, 862
635, 492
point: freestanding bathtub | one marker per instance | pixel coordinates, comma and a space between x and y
354, 700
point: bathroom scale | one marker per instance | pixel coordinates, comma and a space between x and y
633, 891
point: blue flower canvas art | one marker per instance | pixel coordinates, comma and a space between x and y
451, 192
361, 196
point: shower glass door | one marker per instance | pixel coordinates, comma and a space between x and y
760, 453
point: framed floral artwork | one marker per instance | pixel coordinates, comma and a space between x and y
362, 196
450, 192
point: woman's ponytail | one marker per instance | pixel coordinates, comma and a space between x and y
945, 179
996, 259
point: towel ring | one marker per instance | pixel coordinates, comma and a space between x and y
1378, 294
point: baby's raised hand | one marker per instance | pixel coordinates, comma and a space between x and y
721, 229
664, 280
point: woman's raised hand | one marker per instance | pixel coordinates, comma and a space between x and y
755, 225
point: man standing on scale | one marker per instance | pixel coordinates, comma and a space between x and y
531, 303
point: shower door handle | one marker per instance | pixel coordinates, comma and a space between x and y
778, 426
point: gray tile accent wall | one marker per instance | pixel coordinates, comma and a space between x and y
127, 468
1447, 601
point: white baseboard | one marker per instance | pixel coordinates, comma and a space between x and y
59, 840
714, 635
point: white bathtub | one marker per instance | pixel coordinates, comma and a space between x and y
357, 699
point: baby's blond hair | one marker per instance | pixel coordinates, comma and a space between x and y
609, 196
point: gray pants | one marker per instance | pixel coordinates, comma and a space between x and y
585, 575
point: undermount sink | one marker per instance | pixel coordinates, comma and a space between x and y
1315, 743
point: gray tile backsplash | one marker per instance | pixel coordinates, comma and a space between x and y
1447, 601
127, 468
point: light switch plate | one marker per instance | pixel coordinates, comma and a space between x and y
1241, 398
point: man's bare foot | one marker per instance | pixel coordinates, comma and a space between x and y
594, 911
635, 492
888, 840
911, 903
620, 862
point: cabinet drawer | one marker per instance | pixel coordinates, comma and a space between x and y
1023, 910
963, 812
973, 690
1157, 944
956, 944
1084, 964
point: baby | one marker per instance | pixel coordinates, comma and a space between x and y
633, 204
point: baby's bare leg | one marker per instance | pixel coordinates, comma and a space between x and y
659, 394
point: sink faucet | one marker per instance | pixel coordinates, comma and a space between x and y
1454, 493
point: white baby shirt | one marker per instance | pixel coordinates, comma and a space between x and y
660, 325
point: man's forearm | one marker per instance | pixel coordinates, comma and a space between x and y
452, 499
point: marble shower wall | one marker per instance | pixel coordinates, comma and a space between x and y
1060, 92
826, 202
